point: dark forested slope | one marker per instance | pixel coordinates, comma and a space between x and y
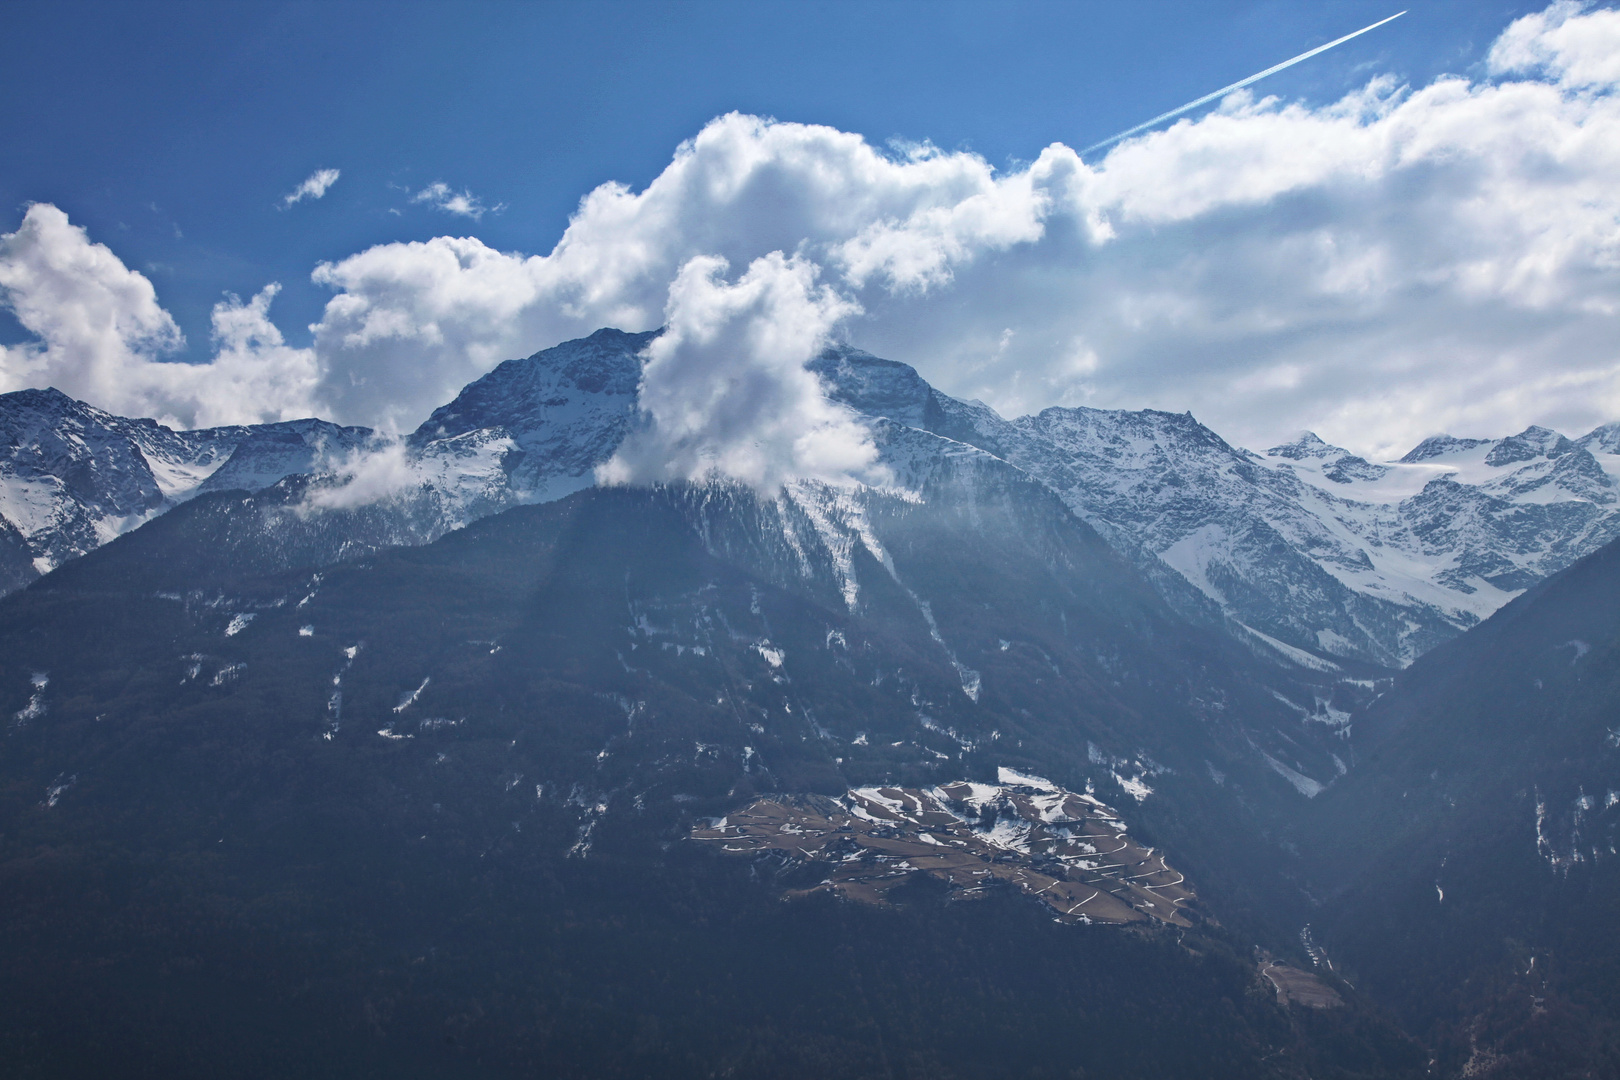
1471, 854
426, 811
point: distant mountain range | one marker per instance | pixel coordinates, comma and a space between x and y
1306, 550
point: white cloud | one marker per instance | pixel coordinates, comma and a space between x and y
255, 376
414, 321
94, 317
1401, 261
1392, 265
440, 195
1577, 47
725, 391
362, 476
101, 333
312, 188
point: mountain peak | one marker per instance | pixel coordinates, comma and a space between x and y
1531, 443
1439, 446
1604, 439
519, 395
33, 396
1307, 445
48, 402
873, 386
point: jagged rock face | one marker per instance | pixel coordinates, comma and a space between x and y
535, 429
73, 477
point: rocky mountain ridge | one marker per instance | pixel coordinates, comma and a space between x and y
1306, 545
73, 477
1306, 552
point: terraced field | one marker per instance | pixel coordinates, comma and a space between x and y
1297, 987
1069, 850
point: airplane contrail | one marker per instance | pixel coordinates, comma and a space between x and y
1223, 91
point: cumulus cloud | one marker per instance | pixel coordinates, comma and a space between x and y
312, 188
93, 315
418, 319
1577, 47
1397, 262
1401, 261
441, 196
725, 392
101, 334
255, 376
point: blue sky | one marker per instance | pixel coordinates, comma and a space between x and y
1245, 265
171, 130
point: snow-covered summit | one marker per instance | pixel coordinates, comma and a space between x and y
529, 397
534, 429
1601, 440
1527, 445
1334, 463
1307, 445
1307, 544
1438, 446
72, 476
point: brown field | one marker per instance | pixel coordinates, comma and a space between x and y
1069, 850
1296, 987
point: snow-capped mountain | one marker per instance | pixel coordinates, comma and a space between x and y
73, 477
1319, 548
1304, 547
532, 430
576, 686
